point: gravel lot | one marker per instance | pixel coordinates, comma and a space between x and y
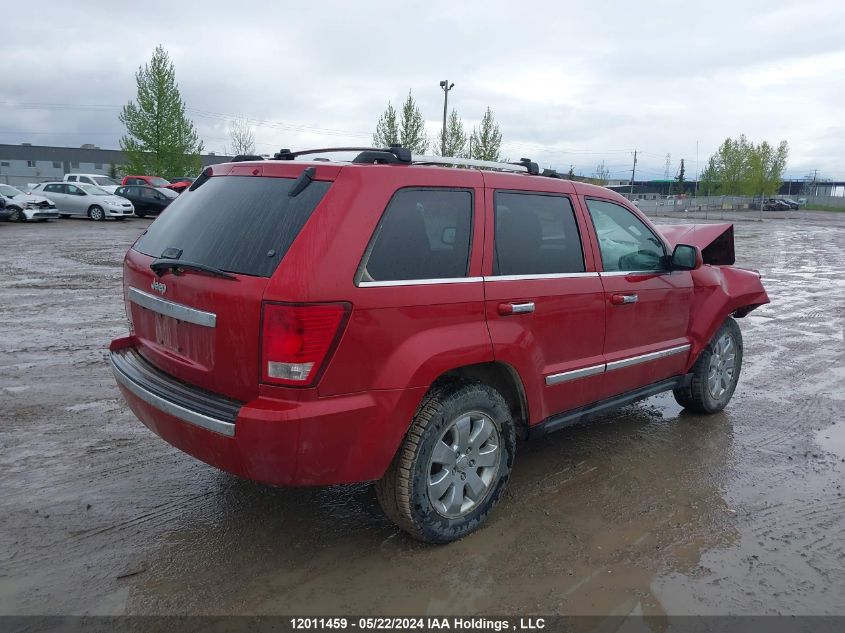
651, 511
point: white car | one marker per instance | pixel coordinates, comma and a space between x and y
22, 206
103, 182
88, 200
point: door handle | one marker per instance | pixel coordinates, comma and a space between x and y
506, 309
620, 300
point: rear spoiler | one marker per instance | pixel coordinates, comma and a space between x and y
716, 241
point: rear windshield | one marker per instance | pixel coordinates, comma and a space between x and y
240, 224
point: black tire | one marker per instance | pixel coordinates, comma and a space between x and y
698, 396
17, 215
141, 214
403, 491
96, 213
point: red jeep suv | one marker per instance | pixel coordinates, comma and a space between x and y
394, 319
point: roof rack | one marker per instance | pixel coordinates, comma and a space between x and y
392, 154
396, 154
524, 164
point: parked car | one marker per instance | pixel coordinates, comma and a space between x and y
790, 203
312, 323
5, 211
103, 182
155, 181
188, 181
83, 199
22, 206
147, 200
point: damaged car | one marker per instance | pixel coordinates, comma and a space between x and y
388, 318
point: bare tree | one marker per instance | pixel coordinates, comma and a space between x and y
242, 138
602, 174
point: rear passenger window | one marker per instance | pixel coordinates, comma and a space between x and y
423, 234
536, 235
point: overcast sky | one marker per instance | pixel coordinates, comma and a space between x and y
573, 83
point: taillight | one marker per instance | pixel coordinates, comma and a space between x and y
297, 340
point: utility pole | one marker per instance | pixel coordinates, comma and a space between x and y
696, 170
633, 173
446, 88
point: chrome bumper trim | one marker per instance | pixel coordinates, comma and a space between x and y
171, 408
175, 310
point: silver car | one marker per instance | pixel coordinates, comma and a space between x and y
22, 206
83, 199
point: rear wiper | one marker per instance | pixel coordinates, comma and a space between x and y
162, 265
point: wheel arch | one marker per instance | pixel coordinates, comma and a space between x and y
501, 377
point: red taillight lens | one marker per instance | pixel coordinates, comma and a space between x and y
296, 341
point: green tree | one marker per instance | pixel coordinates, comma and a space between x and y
387, 128
486, 142
677, 185
739, 167
456, 138
113, 171
160, 139
412, 127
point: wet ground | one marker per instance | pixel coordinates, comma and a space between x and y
649, 511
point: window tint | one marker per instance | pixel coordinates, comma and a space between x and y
239, 224
53, 188
423, 234
71, 178
74, 190
536, 235
624, 241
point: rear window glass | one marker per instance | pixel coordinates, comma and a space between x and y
424, 234
240, 224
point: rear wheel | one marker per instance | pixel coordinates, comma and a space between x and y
96, 213
141, 214
454, 464
716, 372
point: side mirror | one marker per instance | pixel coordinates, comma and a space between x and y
448, 236
686, 257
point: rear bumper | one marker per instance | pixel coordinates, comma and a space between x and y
297, 441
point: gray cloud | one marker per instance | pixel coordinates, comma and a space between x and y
569, 84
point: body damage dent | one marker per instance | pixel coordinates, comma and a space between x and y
716, 241
718, 292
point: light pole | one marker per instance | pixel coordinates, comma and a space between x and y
446, 88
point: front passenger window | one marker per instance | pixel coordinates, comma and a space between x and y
625, 242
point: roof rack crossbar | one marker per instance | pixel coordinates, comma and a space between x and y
397, 152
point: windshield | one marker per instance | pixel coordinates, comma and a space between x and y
94, 191
102, 180
155, 181
168, 192
9, 191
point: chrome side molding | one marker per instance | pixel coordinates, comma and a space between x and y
555, 379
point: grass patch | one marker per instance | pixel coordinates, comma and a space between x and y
823, 207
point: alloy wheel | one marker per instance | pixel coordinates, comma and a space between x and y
722, 369
464, 464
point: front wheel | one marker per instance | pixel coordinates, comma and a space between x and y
454, 464
17, 215
96, 213
716, 372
